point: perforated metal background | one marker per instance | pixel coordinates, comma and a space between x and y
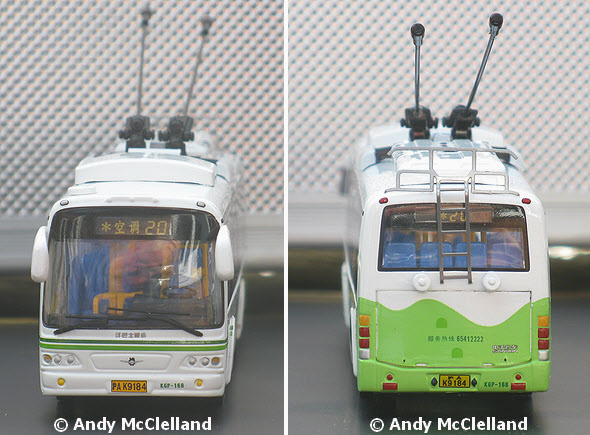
351, 67
68, 75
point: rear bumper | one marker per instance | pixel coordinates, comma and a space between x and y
99, 384
372, 375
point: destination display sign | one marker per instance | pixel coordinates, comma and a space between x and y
477, 214
133, 226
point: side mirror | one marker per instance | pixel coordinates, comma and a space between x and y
224, 259
40, 257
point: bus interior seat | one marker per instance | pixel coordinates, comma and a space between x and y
479, 255
87, 275
429, 254
506, 256
399, 255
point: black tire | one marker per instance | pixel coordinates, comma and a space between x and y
367, 405
64, 398
65, 406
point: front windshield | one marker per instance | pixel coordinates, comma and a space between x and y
124, 263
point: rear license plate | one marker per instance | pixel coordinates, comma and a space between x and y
128, 386
454, 381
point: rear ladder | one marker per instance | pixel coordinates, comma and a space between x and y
450, 185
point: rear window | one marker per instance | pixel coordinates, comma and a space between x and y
409, 238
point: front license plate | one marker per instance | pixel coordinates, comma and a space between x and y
454, 381
128, 386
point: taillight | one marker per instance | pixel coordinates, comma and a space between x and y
365, 341
364, 331
543, 336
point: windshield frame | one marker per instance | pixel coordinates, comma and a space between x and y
208, 231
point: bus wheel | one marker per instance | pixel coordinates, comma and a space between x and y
520, 403
65, 406
217, 401
210, 406
519, 397
366, 403
376, 404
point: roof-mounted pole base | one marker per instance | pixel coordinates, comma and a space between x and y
419, 122
179, 131
461, 120
137, 131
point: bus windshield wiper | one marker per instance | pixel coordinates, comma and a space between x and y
93, 320
100, 320
155, 315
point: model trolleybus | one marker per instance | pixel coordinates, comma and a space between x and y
445, 281
140, 268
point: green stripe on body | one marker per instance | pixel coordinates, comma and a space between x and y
134, 342
132, 348
126, 345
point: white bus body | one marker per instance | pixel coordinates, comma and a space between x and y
111, 327
422, 321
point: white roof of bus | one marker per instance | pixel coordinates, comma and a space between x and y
376, 177
127, 175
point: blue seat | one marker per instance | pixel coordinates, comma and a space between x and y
399, 256
506, 256
89, 276
429, 255
479, 255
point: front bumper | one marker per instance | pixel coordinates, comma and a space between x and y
372, 375
99, 384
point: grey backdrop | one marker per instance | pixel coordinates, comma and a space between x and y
68, 77
351, 67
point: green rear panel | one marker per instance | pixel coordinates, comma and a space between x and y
430, 332
428, 339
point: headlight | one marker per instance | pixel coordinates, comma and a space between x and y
196, 361
57, 359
